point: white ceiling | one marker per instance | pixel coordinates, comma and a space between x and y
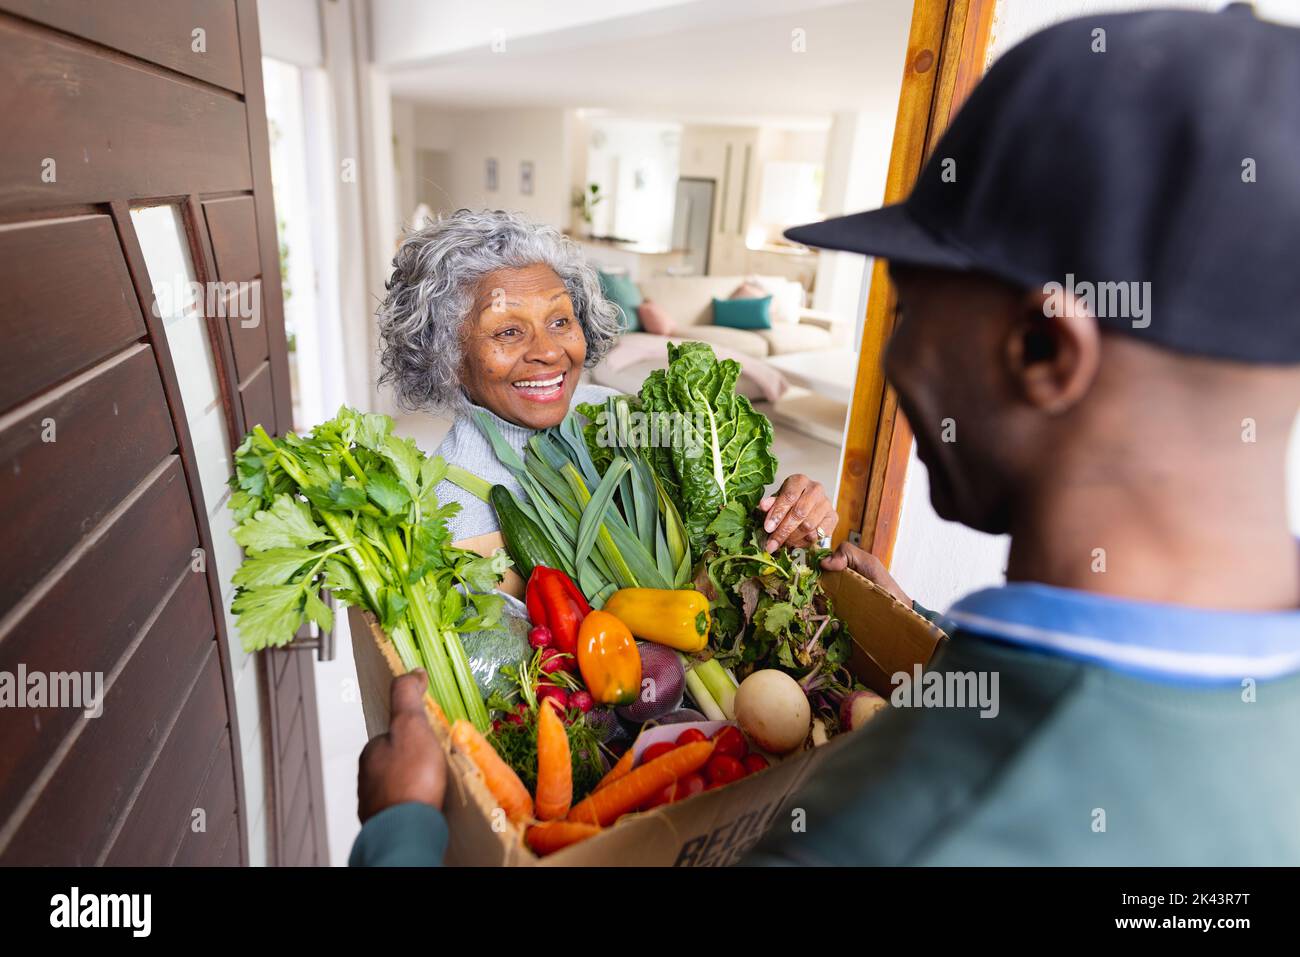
710, 57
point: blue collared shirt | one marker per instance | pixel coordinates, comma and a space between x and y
1163, 642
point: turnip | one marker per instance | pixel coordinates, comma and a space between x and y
858, 708
772, 709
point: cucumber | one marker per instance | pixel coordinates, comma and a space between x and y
524, 540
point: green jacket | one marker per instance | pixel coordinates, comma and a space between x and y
1117, 733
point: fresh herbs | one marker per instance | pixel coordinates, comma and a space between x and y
769, 610
351, 508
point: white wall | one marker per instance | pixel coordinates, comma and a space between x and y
291, 31
511, 136
938, 561
411, 30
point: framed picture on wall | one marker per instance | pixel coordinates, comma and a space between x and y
526, 177
491, 180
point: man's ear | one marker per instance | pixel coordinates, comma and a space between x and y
1052, 350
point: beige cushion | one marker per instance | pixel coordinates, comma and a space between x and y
655, 319
787, 300
688, 299
800, 337
750, 342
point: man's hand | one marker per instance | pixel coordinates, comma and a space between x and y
867, 565
407, 762
798, 515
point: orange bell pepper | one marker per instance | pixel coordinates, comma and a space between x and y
608, 659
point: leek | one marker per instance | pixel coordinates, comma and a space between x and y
721, 686
700, 693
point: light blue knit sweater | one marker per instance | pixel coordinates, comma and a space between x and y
466, 446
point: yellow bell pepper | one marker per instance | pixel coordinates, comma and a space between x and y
676, 617
608, 659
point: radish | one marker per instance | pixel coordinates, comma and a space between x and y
553, 691
582, 700
858, 708
540, 637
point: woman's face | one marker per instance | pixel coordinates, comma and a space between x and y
523, 347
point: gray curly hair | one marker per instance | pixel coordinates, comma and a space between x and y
432, 291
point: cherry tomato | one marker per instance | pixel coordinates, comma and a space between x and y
723, 769
666, 796
690, 736
656, 751
755, 763
731, 741
690, 786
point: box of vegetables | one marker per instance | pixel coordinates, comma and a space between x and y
631, 678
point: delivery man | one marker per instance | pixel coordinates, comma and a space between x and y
1098, 349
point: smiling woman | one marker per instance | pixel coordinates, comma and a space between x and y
486, 310
489, 312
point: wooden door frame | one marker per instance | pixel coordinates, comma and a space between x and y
946, 51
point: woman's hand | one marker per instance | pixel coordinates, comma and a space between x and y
868, 566
798, 515
406, 763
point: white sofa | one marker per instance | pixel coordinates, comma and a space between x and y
689, 301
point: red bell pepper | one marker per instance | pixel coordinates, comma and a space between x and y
555, 601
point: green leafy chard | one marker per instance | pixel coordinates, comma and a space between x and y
721, 448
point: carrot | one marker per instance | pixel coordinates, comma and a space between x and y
499, 777
623, 766
554, 769
551, 836
629, 792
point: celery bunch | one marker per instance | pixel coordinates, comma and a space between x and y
351, 508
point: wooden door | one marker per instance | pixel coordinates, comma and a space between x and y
118, 118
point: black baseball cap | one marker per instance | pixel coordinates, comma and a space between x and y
1159, 147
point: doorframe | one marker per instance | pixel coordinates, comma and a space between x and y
946, 51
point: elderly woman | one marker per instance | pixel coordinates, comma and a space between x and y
488, 311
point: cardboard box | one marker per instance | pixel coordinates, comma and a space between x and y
711, 829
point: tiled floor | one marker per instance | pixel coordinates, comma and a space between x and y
342, 728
